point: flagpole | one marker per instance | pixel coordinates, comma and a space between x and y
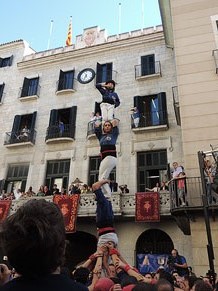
119, 19
50, 33
143, 23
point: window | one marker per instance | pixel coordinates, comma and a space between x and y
30, 87
66, 80
16, 177
104, 72
217, 24
1, 91
58, 173
62, 123
152, 168
94, 163
152, 109
18, 134
148, 65
6, 62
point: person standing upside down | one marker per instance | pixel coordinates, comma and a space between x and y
110, 99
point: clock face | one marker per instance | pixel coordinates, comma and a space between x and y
86, 76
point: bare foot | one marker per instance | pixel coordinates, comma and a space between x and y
97, 185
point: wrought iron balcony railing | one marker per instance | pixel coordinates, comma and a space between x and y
32, 92
63, 86
142, 71
60, 132
191, 194
19, 137
153, 118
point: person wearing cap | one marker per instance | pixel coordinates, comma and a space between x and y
110, 99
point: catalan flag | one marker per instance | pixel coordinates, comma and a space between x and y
69, 34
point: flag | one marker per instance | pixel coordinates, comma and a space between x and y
69, 34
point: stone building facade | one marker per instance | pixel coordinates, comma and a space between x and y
41, 89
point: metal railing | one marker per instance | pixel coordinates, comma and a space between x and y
19, 137
33, 90
143, 71
189, 196
65, 85
153, 118
63, 131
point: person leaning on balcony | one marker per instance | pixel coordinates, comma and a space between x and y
41, 191
110, 99
154, 189
33, 239
107, 136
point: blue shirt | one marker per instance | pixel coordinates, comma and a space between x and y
108, 96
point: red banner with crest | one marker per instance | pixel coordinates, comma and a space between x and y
147, 207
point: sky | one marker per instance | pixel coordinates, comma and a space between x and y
44, 23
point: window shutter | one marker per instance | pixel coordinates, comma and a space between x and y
148, 65
25, 88
72, 74
109, 71
53, 117
162, 106
61, 81
138, 102
2, 183
16, 127
10, 60
73, 112
98, 73
1, 90
32, 125
97, 107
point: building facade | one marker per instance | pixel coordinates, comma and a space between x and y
191, 30
47, 137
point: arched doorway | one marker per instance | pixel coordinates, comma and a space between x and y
152, 249
79, 246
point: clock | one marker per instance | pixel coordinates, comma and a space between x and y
85, 76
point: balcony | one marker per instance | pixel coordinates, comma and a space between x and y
60, 134
176, 104
143, 73
215, 55
18, 138
185, 212
62, 87
123, 204
31, 93
155, 120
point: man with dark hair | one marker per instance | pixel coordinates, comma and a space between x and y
177, 263
110, 99
34, 241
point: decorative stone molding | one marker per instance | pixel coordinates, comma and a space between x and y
123, 204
